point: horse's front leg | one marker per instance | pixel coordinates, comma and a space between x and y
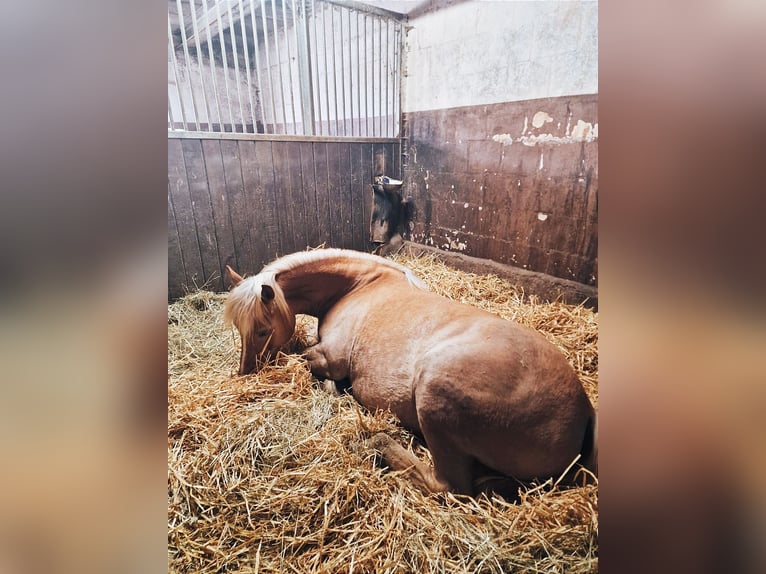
332, 372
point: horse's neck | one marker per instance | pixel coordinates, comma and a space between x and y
313, 288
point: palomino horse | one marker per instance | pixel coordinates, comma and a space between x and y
486, 394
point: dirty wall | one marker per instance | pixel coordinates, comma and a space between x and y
501, 116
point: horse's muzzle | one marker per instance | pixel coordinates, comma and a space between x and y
252, 363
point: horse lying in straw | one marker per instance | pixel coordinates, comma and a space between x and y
486, 394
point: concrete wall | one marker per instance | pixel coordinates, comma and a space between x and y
502, 118
483, 52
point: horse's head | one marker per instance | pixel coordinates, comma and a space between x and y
257, 307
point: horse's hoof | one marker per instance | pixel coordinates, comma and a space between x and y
331, 388
381, 442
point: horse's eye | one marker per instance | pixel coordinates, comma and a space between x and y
263, 332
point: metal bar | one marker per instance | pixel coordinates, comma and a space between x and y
367, 9
299, 56
372, 74
366, 92
380, 76
388, 51
404, 152
290, 60
274, 137
279, 64
175, 74
399, 78
334, 69
187, 64
247, 63
257, 66
350, 76
342, 72
303, 45
235, 57
326, 70
199, 65
268, 66
316, 64
225, 64
358, 73
394, 67
211, 61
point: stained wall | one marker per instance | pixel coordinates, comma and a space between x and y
501, 116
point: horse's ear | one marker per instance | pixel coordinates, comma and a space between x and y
267, 293
234, 277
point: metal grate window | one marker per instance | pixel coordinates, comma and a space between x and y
292, 67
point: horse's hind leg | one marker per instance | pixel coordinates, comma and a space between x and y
421, 474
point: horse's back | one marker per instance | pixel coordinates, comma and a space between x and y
501, 392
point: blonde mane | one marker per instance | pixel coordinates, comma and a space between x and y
244, 308
294, 260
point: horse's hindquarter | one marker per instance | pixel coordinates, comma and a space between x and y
504, 394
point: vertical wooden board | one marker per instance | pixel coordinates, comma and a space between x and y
176, 272
182, 207
239, 174
395, 153
267, 230
247, 210
344, 173
203, 214
295, 194
309, 188
335, 194
324, 206
221, 154
283, 200
356, 190
366, 190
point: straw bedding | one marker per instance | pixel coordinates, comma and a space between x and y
268, 473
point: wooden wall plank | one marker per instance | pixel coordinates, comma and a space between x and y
309, 188
334, 183
368, 158
324, 204
539, 215
356, 192
395, 151
182, 208
344, 197
176, 271
267, 231
238, 158
296, 196
248, 210
244, 203
215, 152
203, 213
285, 213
